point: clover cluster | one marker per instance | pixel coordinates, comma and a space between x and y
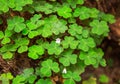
62, 35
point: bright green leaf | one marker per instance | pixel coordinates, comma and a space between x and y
107, 17
68, 58
6, 77
72, 77
88, 57
82, 12
93, 56
20, 4
73, 3
29, 76
75, 29
5, 41
16, 23
69, 42
79, 67
7, 55
54, 48
35, 51
4, 6
85, 33
85, 44
22, 49
94, 13
48, 66
1, 34
99, 27
8, 47
18, 80
22, 44
6, 36
43, 6
57, 26
32, 25
65, 12
69, 81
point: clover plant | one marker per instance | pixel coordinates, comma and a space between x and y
47, 66
71, 77
27, 76
6, 77
103, 78
62, 35
68, 58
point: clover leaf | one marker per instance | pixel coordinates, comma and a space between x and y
48, 66
5, 36
94, 13
82, 13
7, 51
57, 25
1, 34
107, 17
99, 58
88, 57
87, 43
29, 75
65, 12
43, 6
22, 44
19, 79
7, 55
14, 4
71, 77
32, 25
44, 81
72, 20
99, 27
27, 72
79, 67
8, 47
6, 77
85, 13
69, 42
85, 33
35, 51
26, 77
92, 57
20, 4
73, 3
68, 58
45, 30
4, 6
54, 48
75, 29
16, 23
